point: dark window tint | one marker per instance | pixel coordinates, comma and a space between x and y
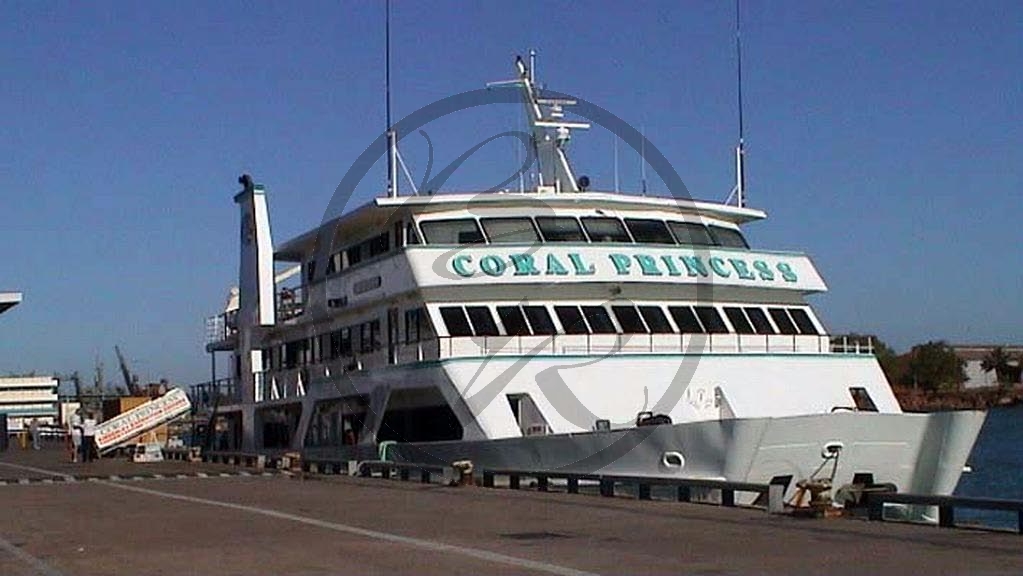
354, 254
605, 230
760, 322
655, 319
539, 320
782, 320
862, 399
571, 319
560, 229
460, 231
738, 320
649, 231
711, 320
411, 235
599, 319
685, 319
628, 318
513, 320
455, 320
691, 233
803, 322
728, 237
379, 245
508, 230
482, 321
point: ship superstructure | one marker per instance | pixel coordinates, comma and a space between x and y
538, 328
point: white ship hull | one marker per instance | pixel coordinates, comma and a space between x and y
919, 453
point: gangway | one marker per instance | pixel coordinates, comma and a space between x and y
141, 419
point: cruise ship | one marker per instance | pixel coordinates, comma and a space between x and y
556, 327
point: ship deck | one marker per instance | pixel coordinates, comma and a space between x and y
336, 525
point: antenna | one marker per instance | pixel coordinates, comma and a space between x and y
392, 136
615, 140
740, 172
642, 159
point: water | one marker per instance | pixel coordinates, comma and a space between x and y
997, 461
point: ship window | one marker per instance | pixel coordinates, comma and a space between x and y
728, 237
334, 264
599, 319
560, 229
379, 244
760, 322
605, 230
310, 270
738, 320
509, 230
685, 319
413, 325
862, 399
711, 319
571, 319
656, 319
803, 322
455, 320
628, 318
369, 336
482, 321
411, 235
460, 231
782, 320
691, 233
354, 255
514, 321
649, 231
539, 319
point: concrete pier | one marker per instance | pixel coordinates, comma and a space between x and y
148, 520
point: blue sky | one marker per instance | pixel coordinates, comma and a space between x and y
883, 138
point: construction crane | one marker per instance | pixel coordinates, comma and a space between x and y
131, 382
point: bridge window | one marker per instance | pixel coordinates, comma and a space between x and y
455, 321
803, 322
738, 320
482, 321
571, 319
414, 325
862, 399
760, 322
728, 237
685, 319
540, 320
510, 230
711, 319
411, 235
379, 244
605, 230
649, 231
655, 319
599, 320
691, 233
560, 229
628, 318
455, 231
514, 321
782, 320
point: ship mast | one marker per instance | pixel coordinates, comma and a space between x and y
739, 192
551, 131
392, 135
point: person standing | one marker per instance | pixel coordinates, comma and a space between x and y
88, 438
33, 430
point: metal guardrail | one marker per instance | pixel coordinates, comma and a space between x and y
248, 459
404, 470
946, 505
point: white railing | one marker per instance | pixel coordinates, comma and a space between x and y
855, 345
612, 344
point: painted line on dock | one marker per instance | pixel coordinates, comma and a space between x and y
66, 477
429, 545
40, 566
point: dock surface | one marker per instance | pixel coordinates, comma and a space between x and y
181, 518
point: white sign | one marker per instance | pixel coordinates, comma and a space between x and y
141, 419
547, 263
